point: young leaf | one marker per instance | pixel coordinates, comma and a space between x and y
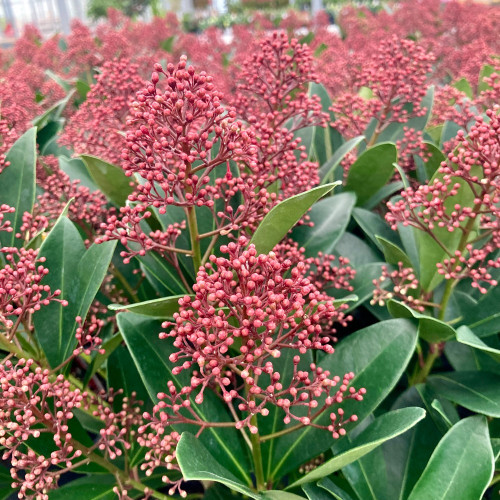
378, 356
330, 216
449, 475
111, 179
158, 308
385, 427
17, 184
198, 464
371, 171
478, 391
284, 216
78, 273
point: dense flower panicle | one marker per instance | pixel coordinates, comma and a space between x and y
403, 285
21, 286
82, 52
180, 135
472, 165
247, 310
98, 127
395, 74
272, 96
28, 398
88, 208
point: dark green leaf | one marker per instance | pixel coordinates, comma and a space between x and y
383, 193
378, 356
383, 428
330, 217
284, 216
337, 493
392, 253
78, 273
198, 464
429, 328
314, 492
17, 184
86, 488
449, 475
476, 391
77, 171
327, 170
371, 171
109, 346
111, 179
373, 225
280, 495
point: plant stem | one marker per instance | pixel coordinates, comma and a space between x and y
257, 457
195, 237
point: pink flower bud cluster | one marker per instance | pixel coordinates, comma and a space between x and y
395, 74
21, 289
403, 286
87, 208
247, 310
472, 166
272, 96
28, 398
98, 127
87, 335
5, 225
181, 133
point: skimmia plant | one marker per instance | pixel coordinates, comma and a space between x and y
270, 276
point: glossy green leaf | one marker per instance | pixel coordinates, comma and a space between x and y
337, 493
53, 113
99, 359
383, 428
86, 488
330, 217
284, 216
429, 328
17, 185
434, 160
465, 358
78, 273
158, 308
466, 336
356, 250
327, 170
77, 171
481, 316
197, 463
461, 466
314, 492
477, 390
393, 253
111, 179
151, 357
383, 193
373, 225
371, 171
378, 356
280, 495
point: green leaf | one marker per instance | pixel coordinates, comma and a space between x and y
378, 356
449, 474
280, 495
383, 428
466, 336
151, 357
328, 169
373, 225
464, 86
314, 492
111, 179
392, 253
429, 328
109, 346
433, 161
330, 217
483, 316
53, 113
486, 71
77, 171
337, 493
478, 391
383, 193
78, 273
17, 184
158, 308
86, 488
198, 464
371, 171
284, 216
